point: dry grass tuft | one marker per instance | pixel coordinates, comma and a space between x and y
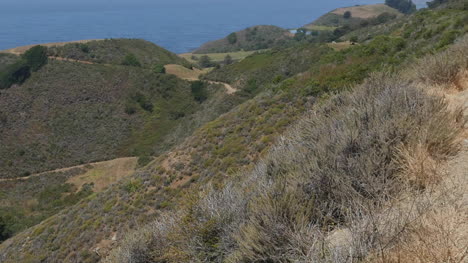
443, 68
338, 187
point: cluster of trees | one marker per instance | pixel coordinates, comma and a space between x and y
303, 34
20, 71
404, 6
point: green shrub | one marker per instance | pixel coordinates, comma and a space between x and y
14, 74
144, 160
347, 15
36, 57
131, 60
159, 68
199, 91
84, 48
206, 62
232, 38
133, 185
448, 38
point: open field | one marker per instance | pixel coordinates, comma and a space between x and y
183, 72
194, 74
21, 50
338, 46
366, 11
218, 57
320, 28
103, 174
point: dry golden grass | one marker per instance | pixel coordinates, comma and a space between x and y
106, 173
366, 11
219, 57
338, 46
184, 73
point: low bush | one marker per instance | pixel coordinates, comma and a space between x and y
131, 60
339, 163
17, 73
442, 68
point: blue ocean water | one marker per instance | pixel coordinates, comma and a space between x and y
178, 25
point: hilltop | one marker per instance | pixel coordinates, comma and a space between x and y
252, 38
336, 18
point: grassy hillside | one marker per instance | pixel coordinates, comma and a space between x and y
114, 51
252, 38
28, 201
225, 195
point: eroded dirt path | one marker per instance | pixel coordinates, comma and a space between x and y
194, 75
114, 162
72, 60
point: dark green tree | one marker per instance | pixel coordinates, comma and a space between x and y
404, 6
199, 91
232, 38
347, 15
228, 60
15, 74
36, 57
131, 60
206, 62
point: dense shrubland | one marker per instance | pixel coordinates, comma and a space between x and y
224, 194
333, 173
118, 51
252, 38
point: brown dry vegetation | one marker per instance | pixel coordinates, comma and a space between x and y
358, 179
366, 11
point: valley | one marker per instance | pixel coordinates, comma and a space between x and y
345, 141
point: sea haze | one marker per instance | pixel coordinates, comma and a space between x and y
178, 25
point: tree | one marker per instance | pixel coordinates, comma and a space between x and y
404, 6
228, 60
301, 34
131, 60
353, 40
36, 57
347, 15
232, 38
199, 91
205, 62
15, 74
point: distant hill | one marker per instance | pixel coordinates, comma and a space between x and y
252, 38
337, 18
69, 113
114, 51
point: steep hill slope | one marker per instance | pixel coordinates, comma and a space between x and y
252, 38
70, 113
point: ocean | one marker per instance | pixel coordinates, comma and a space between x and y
177, 25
